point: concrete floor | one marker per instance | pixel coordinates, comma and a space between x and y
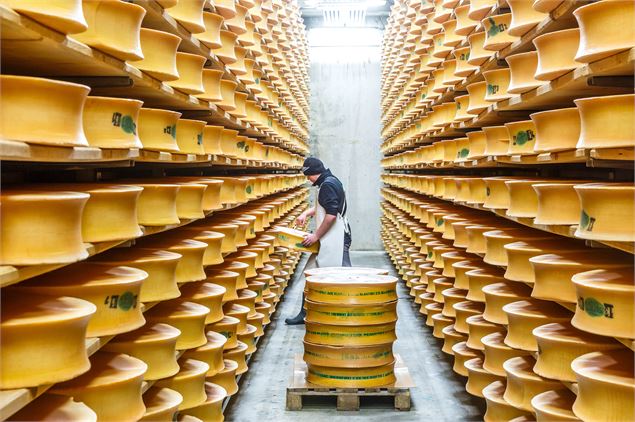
439, 394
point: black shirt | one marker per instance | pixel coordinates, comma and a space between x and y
332, 197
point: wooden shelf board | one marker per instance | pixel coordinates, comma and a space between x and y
22, 151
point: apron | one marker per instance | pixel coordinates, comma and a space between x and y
332, 243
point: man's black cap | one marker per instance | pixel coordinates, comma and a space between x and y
313, 166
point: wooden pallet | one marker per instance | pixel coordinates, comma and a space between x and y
348, 398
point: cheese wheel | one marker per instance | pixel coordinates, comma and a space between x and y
478, 378
157, 127
450, 338
225, 279
348, 356
190, 267
111, 122
479, 278
439, 322
462, 353
113, 28
460, 269
226, 378
560, 343
247, 298
238, 355
228, 327
432, 309
519, 253
498, 409
496, 240
240, 313
478, 328
523, 384
23, 333
54, 408
525, 315
497, 295
523, 68
497, 352
554, 405
189, 382
248, 337
113, 290
353, 289
367, 314
154, 344
607, 213
212, 409
463, 310
188, 317
161, 404
342, 335
111, 388
351, 377
157, 204
605, 302
257, 321
293, 238
556, 53
41, 228
605, 386
210, 353
158, 264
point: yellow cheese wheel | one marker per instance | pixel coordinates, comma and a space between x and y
248, 337
188, 317
450, 338
113, 290
497, 352
228, 327
556, 53
63, 16
154, 344
159, 54
157, 204
157, 127
523, 68
212, 409
351, 377
161, 404
189, 382
554, 405
257, 321
225, 279
463, 310
111, 388
497, 295
451, 297
342, 335
113, 28
523, 384
41, 228
240, 313
479, 278
54, 408
159, 265
210, 353
519, 253
32, 323
607, 213
226, 378
605, 302
206, 294
478, 378
354, 289
190, 267
556, 129
596, 41
605, 386
478, 328
525, 315
366, 314
111, 122
292, 238
498, 409
348, 356
190, 81
560, 343
462, 353
439, 322
238, 355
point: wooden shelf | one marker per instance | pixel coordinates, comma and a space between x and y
64, 58
10, 275
566, 231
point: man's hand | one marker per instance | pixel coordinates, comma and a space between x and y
310, 239
301, 219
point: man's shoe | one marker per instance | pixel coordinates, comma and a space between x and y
296, 320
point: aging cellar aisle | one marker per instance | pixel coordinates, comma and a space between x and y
439, 394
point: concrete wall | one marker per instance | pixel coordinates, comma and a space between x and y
345, 130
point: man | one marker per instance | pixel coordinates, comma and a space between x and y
333, 231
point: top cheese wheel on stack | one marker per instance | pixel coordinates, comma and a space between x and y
351, 289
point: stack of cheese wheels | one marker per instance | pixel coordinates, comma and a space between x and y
350, 327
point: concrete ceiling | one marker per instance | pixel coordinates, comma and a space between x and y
375, 17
